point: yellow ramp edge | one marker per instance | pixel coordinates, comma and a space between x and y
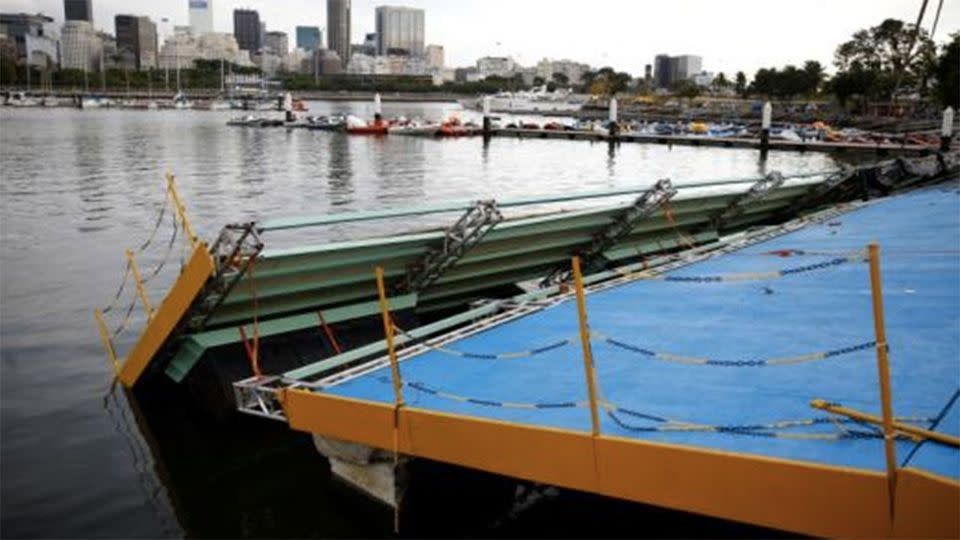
173, 308
797, 496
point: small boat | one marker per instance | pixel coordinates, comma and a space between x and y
218, 105
245, 121
455, 128
20, 99
356, 126
698, 128
326, 123
424, 129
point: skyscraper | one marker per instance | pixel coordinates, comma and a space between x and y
308, 38
277, 43
338, 28
78, 10
400, 29
201, 16
246, 28
669, 70
137, 36
663, 71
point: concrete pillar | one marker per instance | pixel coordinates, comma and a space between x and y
946, 130
377, 111
487, 121
288, 107
612, 125
765, 126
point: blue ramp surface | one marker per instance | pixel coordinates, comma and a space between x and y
727, 353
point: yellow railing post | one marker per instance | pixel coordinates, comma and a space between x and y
914, 432
585, 343
181, 211
883, 368
141, 290
388, 331
107, 343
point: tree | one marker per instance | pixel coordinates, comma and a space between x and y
538, 81
607, 81
741, 85
899, 54
947, 73
720, 81
687, 89
814, 74
560, 78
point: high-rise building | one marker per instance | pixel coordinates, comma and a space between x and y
663, 71
201, 16
669, 70
400, 30
434, 56
308, 38
685, 67
78, 10
79, 45
277, 43
137, 36
246, 28
338, 28
33, 36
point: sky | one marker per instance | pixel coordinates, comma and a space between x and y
730, 35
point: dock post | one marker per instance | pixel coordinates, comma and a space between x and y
288, 107
946, 130
377, 111
487, 122
765, 127
588, 365
612, 125
883, 368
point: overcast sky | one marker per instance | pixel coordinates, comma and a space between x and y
730, 35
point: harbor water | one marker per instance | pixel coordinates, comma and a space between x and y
79, 187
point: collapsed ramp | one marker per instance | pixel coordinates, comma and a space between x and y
779, 379
236, 295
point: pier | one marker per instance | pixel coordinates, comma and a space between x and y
600, 372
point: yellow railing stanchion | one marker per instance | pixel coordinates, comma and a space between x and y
883, 368
181, 211
585, 342
141, 290
914, 432
107, 343
388, 331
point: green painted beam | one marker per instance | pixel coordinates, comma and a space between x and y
193, 347
348, 217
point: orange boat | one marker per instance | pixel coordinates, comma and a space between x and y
377, 127
455, 128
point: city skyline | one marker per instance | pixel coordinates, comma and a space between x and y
626, 36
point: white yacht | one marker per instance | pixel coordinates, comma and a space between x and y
536, 100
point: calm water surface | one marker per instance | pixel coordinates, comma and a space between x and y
78, 187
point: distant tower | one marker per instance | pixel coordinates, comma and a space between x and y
400, 29
201, 16
78, 10
338, 28
246, 28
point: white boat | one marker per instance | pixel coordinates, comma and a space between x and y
19, 99
219, 105
536, 100
92, 102
424, 129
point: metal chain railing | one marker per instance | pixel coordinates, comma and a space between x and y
692, 360
528, 353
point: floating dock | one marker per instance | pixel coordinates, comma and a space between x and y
704, 378
716, 316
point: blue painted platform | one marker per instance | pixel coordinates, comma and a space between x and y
731, 321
